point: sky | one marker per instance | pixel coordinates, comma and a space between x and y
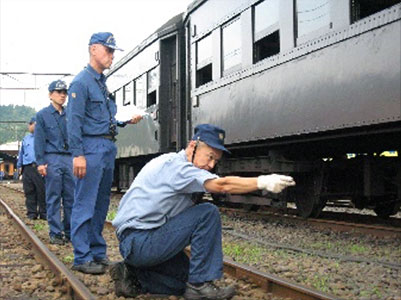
51, 36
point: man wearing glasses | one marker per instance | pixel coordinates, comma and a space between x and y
55, 163
157, 219
92, 128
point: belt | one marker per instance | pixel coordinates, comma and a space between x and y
108, 137
34, 165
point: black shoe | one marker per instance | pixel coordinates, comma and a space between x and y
126, 283
56, 239
67, 239
43, 217
208, 291
90, 267
32, 217
104, 261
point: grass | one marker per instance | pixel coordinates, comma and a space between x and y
243, 253
68, 258
39, 226
358, 249
319, 282
111, 215
373, 292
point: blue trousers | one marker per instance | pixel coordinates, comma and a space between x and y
91, 200
157, 258
59, 189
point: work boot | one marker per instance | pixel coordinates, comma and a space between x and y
126, 283
56, 239
208, 291
104, 261
90, 267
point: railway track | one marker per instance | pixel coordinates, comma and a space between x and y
73, 286
340, 226
77, 287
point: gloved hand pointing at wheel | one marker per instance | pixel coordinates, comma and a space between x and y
274, 183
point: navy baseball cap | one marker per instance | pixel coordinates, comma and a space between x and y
57, 85
211, 135
104, 38
32, 120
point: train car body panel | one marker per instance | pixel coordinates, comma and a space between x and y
357, 84
298, 85
148, 80
149, 71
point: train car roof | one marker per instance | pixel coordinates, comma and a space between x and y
194, 5
170, 26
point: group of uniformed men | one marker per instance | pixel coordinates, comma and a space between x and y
156, 218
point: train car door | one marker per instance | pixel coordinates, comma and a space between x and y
169, 113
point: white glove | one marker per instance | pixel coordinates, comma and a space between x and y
274, 183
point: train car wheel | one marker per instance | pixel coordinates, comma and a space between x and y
307, 196
387, 209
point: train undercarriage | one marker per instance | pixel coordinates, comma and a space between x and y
325, 172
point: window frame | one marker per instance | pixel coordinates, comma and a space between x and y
238, 66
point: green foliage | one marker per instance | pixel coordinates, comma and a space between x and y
319, 282
243, 252
68, 258
39, 226
111, 215
14, 132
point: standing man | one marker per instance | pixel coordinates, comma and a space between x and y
92, 128
34, 187
55, 162
157, 219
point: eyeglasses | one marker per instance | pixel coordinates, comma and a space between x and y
109, 50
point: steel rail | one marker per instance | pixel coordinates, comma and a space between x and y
273, 284
77, 290
270, 283
376, 230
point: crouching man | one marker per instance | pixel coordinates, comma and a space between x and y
157, 219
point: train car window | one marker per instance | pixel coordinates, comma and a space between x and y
119, 96
231, 46
266, 30
140, 91
363, 8
128, 94
312, 16
153, 82
204, 60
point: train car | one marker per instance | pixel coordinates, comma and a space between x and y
306, 88
148, 78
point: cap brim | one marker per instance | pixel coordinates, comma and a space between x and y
114, 47
217, 146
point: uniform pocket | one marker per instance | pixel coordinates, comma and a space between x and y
95, 109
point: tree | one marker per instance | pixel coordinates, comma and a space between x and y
14, 131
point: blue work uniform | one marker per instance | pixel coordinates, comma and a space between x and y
157, 219
51, 149
32, 181
91, 129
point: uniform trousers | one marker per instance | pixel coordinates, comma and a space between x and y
156, 256
91, 200
59, 190
34, 189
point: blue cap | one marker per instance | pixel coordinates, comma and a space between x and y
104, 38
32, 120
57, 85
211, 135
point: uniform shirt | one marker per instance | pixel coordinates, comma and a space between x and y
26, 154
50, 133
161, 190
89, 109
